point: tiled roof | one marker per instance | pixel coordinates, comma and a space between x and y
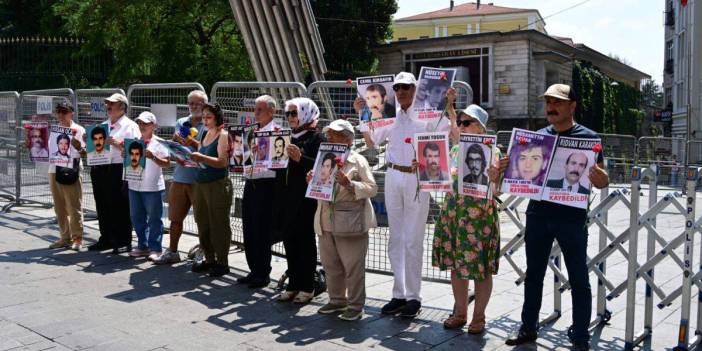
467, 9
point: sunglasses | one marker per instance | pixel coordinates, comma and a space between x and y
291, 113
466, 122
398, 87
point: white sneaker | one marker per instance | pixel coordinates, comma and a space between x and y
153, 255
303, 297
286, 296
167, 256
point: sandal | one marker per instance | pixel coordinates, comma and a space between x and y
453, 322
477, 326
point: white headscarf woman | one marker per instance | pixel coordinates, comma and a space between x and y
307, 114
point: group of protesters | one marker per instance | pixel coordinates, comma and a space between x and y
466, 235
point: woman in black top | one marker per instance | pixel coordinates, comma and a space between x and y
293, 212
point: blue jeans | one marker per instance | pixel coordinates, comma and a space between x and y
572, 239
146, 209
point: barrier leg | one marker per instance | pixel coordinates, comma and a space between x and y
634, 226
683, 336
603, 314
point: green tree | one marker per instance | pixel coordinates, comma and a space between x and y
651, 94
349, 30
160, 41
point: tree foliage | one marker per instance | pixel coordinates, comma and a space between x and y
349, 30
160, 41
652, 94
604, 106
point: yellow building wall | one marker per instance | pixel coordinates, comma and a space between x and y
410, 31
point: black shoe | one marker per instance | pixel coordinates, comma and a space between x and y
202, 266
256, 283
122, 249
98, 246
219, 270
580, 346
394, 306
411, 309
521, 337
245, 279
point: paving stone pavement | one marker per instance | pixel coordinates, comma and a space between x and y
61, 300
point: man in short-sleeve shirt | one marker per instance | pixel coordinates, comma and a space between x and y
547, 221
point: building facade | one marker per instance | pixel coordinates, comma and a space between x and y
466, 19
508, 71
682, 77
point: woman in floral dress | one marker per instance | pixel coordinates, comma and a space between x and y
466, 236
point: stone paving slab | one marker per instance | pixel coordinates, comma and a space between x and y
61, 300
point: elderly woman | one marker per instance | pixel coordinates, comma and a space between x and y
293, 212
343, 228
466, 236
212, 194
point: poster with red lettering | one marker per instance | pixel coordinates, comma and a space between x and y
432, 156
529, 160
567, 182
475, 157
329, 157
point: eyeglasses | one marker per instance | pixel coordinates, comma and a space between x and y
405, 87
466, 122
195, 104
292, 113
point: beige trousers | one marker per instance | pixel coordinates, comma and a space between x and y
68, 205
344, 261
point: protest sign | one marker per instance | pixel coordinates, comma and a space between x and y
378, 95
321, 187
568, 182
134, 159
241, 138
60, 146
430, 97
475, 157
38, 141
272, 148
96, 145
529, 159
432, 156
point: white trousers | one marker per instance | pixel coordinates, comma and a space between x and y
407, 218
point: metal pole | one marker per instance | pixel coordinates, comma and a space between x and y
650, 249
602, 312
634, 226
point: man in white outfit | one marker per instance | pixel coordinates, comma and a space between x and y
407, 213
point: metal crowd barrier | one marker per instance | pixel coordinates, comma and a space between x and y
32, 177
9, 109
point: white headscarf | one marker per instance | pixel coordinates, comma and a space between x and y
307, 114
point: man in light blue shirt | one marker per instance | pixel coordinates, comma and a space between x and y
180, 192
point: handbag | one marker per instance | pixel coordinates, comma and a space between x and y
68, 175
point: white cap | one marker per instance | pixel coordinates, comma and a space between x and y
147, 117
339, 125
477, 113
405, 78
560, 92
117, 97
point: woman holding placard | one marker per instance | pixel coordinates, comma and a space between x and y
466, 236
293, 212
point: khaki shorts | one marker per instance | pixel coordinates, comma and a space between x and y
180, 198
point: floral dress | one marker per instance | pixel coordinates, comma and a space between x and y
467, 233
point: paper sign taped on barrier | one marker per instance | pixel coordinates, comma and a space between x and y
44, 105
166, 114
98, 110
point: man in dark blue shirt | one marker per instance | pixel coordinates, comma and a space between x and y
547, 221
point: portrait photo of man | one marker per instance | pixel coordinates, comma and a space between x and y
237, 148
324, 178
575, 167
279, 145
476, 162
37, 143
432, 158
63, 143
530, 162
136, 151
377, 101
98, 137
